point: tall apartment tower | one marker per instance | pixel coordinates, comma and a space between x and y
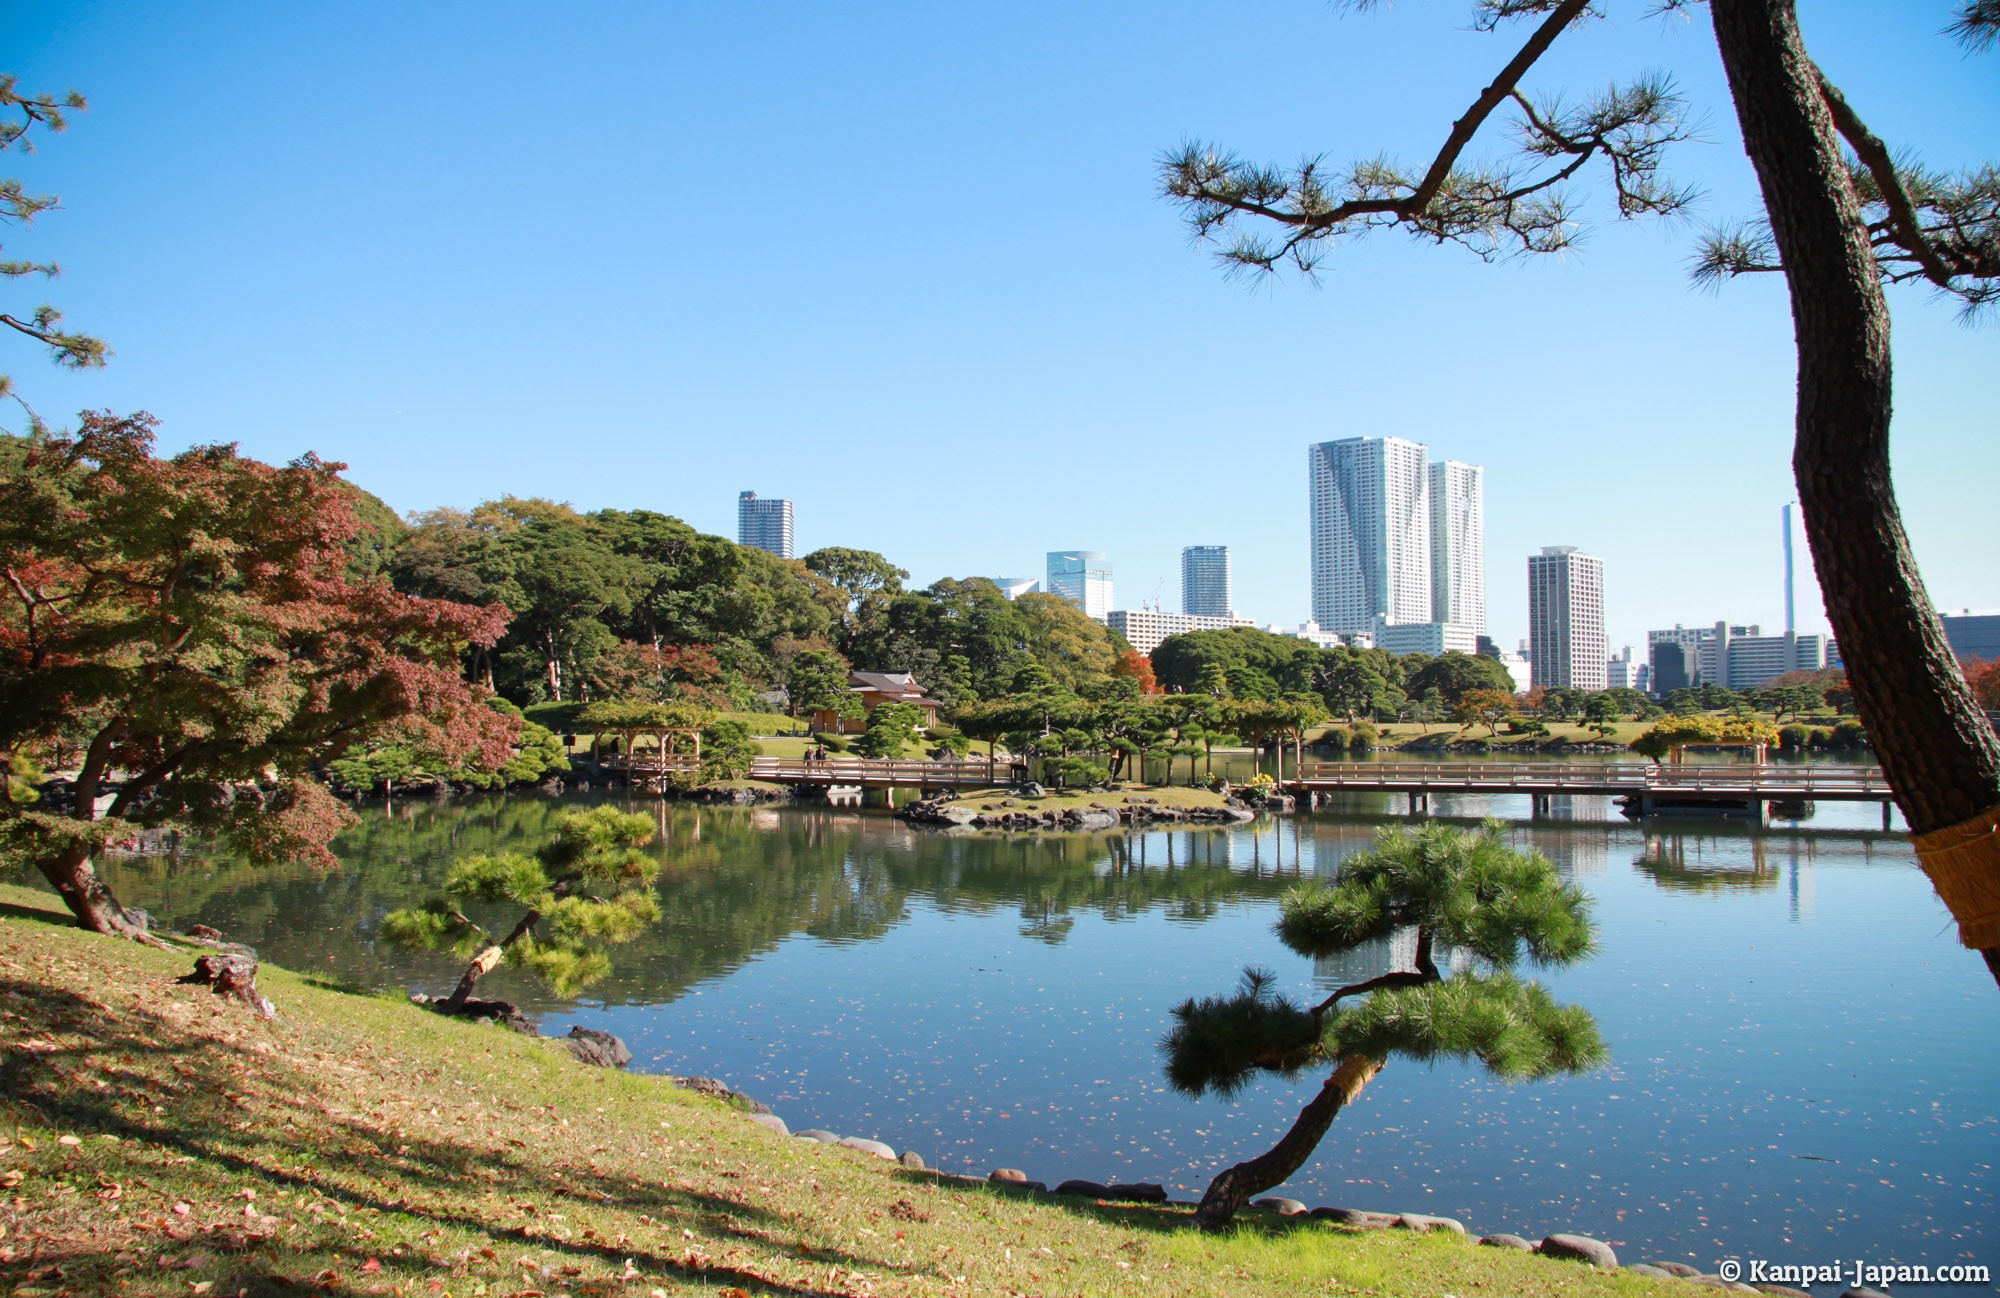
1205, 580
1371, 533
1566, 619
1458, 545
1083, 577
765, 524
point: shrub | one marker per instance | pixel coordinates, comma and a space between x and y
1364, 737
1081, 772
1849, 734
1794, 738
1334, 740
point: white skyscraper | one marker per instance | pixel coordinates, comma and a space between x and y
1566, 619
1458, 545
1205, 580
1371, 533
765, 524
1083, 577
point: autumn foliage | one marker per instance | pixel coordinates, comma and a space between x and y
187, 633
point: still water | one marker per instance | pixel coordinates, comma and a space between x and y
1804, 1063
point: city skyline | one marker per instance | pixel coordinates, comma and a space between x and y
1041, 353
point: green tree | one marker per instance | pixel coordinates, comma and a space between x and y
1601, 710
588, 888
1452, 674
863, 577
817, 679
21, 114
1835, 226
189, 626
1469, 893
892, 728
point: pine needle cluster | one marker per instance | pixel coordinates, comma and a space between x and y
588, 888
1475, 902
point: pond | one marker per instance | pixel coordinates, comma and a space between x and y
1804, 1065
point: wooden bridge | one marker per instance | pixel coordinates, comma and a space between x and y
846, 772
1741, 789
1653, 788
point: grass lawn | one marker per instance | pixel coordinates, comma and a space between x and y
155, 1139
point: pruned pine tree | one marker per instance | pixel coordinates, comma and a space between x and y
1476, 903
588, 888
1844, 213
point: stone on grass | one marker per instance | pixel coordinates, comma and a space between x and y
912, 1160
868, 1146
1420, 1221
823, 1137
1648, 1270
1083, 1189
1579, 1248
1283, 1207
598, 1049
1007, 1174
1353, 1217
1681, 1269
771, 1122
1507, 1241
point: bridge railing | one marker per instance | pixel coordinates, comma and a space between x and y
1637, 776
834, 770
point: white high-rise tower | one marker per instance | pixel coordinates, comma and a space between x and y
1566, 619
1458, 545
1371, 533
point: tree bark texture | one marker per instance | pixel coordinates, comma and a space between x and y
1935, 745
1229, 1191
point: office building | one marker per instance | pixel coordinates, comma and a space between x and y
1627, 671
1566, 619
1205, 580
1144, 628
1676, 665
1458, 545
1015, 587
1732, 656
765, 524
1083, 577
1370, 533
1973, 635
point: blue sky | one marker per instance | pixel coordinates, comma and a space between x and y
905, 264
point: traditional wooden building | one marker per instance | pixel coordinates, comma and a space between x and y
874, 689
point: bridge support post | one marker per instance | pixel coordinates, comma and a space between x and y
878, 796
1538, 805
1420, 803
1888, 805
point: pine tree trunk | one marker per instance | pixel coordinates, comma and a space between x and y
1228, 1192
1935, 746
75, 879
488, 960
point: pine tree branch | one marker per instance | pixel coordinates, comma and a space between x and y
1875, 155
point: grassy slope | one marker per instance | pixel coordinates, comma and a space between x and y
155, 1139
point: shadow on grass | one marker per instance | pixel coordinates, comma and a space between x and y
241, 1114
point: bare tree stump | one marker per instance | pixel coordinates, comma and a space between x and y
232, 973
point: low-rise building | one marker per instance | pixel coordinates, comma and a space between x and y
1433, 638
1144, 628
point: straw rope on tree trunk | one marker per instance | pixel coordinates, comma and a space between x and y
1963, 862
